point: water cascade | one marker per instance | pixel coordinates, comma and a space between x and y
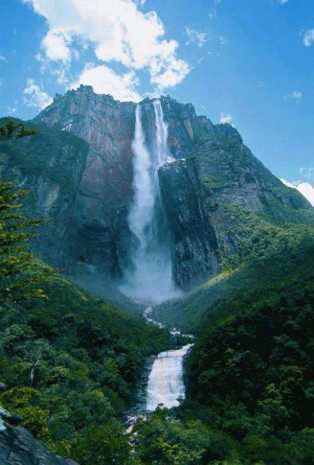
150, 280
165, 383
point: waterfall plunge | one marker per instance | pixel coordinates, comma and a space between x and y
151, 277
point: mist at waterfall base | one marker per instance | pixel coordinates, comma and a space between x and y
150, 279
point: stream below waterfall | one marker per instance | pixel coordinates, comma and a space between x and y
165, 384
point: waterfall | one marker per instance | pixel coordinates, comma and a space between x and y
150, 280
141, 213
161, 135
165, 384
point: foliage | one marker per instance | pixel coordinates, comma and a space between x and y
164, 439
257, 263
20, 274
11, 128
251, 371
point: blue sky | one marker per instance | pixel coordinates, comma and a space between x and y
248, 62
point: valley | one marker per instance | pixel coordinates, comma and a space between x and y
151, 264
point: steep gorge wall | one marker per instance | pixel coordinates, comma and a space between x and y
205, 194
104, 192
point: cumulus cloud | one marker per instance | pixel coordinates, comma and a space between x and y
34, 96
105, 81
56, 46
306, 189
225, 119
308, 38
118, 31
198, 38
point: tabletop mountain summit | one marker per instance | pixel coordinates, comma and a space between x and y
81, 170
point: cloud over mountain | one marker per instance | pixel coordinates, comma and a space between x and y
118, 32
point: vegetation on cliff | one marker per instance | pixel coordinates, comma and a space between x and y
260, 250
251, 371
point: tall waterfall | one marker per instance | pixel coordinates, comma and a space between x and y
150, 280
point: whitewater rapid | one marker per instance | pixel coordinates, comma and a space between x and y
165, 385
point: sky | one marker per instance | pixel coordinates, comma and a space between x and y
249, 63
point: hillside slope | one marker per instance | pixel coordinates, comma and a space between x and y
252, 367
72, 362
250, 373
261, 245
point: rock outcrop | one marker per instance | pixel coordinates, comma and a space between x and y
19, 447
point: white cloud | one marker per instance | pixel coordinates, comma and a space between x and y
34, 96
56, 46
305, 188
105, 81
296, 94
225, 119
308, 38
196, 37
117, 31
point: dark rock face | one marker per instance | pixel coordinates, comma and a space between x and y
50, 165
200, 196
18, 447
195, 249
79, 170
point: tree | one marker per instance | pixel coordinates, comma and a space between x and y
105, 444
20, 274
11, 128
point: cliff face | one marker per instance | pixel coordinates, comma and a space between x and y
50, 166
204, 193
79, 169
105, 189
